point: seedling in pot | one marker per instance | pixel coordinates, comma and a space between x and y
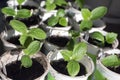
88, 18
101, 40
30, 39
59, 19
73, 57
52, 4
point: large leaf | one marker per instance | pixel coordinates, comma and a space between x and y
63, 21
33, 48
111, 37
97, 36
86, 25
111, 60
66, 54
8, 11
60, 2
26, 61
37, 33
98, 12
73, 68
23, 13
79, 51
18, 26
86, 14
20, 1
60, 13
52, 21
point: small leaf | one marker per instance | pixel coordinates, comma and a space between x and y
20, 1
63, 21
98, 12
23, 39
60, 2
111, 60
33, 48
79, 51
111, 37
8, 11
70, 44
60, 13
26, 61
52, 21
80, 3
73, 68
86, 25
86, 14
50, 7
99, 37
23, 13
37, 33
18, 26
66, 54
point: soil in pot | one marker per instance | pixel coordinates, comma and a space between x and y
117, 69
14, 40
60, 66
16, 72
58, 40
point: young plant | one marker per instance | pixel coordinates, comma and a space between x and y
58, 19
99, 39
17, 13
30, 40
52, 4
73, 57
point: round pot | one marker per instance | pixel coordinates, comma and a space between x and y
93, 49
10, 35
107, 73
12, 57
86, 61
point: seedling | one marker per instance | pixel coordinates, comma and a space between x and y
30, 39
73, 57
17, 13
99, 39
59, 18
52, 4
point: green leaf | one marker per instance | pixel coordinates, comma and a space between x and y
60, 13
70, 44
20, 1
37, 33
79, 51
52, 21
73, 68
98, 12
86, 25
23, 13
60, 2
98, 36
63, 21
26, 61
50, 7
80, 3
18, 26
86, 14
111, 60
8, 11
33, 48
111, 37
66, 54
23, 39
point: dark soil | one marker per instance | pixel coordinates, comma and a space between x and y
14, 40
57, 40
117, 70
60, 66
16, 72
27, 7
98, 43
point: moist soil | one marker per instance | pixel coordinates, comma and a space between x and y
117, 70
94, 42
57, 40
60, 66
16, 72
14, 40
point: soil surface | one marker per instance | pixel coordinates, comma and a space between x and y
60, 66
